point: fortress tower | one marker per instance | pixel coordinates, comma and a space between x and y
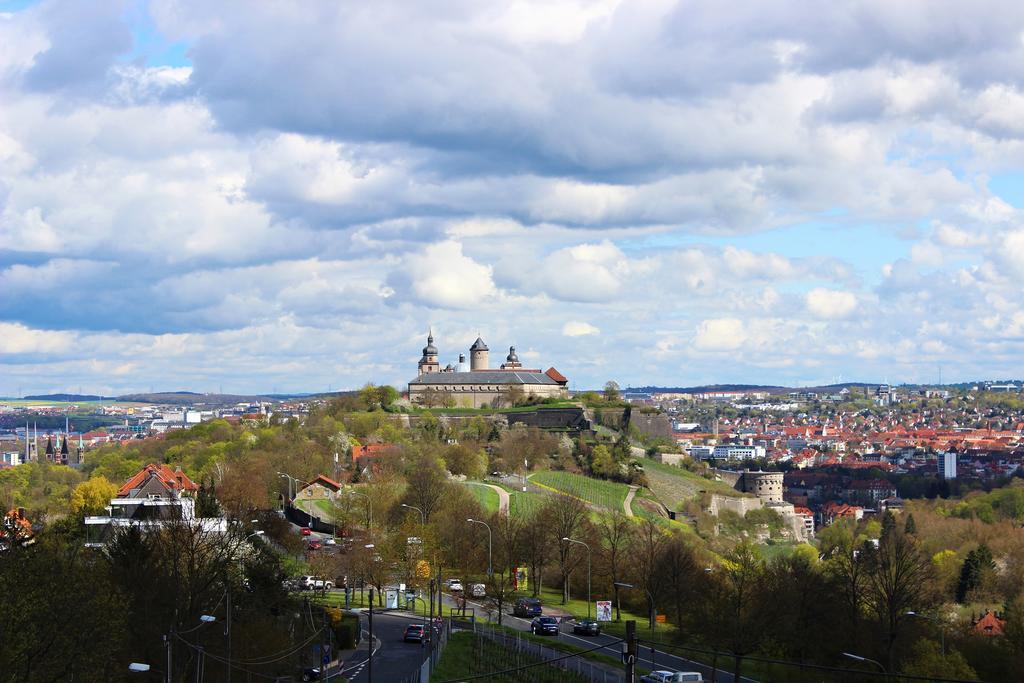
429, 363
478, 355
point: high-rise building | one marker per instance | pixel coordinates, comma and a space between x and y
947, 465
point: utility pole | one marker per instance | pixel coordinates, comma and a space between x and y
631, 650
167, 644
227, 632
369, 659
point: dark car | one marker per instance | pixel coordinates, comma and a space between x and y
527, 607
413, 633
587, 627
544, 626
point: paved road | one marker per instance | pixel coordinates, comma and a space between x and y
646, 657
627, 505
393, 660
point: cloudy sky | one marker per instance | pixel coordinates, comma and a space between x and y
257, 196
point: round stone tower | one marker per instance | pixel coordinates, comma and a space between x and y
478, 355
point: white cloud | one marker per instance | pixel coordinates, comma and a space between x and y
830, 303
576, 328
720, 334
443, 276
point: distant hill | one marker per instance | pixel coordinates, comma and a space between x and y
707, 388
190, 398
69, 398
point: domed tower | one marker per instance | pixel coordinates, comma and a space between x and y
428, 363
512, 360
478, 353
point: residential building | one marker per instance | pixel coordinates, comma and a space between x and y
154, 496
947, 464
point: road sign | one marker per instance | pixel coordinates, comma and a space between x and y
660, 618
604, 610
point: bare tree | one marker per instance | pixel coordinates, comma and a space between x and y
536, 548
509, 535
898, 582
616, 531
566, 518
650, 544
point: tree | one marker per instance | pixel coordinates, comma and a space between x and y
465, 460
536, 547
910, 528
648, 547
427, 486
616, 536
898, 582
888, 524
611, 391
566, 517
736, 617
92, 496
928, 660
977, 564
601, 462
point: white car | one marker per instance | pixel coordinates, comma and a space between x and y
478, 590
673, 677
455, 585
330, 541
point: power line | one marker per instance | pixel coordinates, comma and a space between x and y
804, 665
490, 674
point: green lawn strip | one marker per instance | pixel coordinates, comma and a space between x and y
485, 495
468, 654
561, 645
598, 492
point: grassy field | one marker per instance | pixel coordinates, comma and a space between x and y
484, 495
524, 504
673, 485
470, 655
606, 494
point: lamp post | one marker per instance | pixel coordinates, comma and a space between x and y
291, 485
857, 657
650, 597
423, 517
490, 568
572, 540
942, 627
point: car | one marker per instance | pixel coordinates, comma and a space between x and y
312, 583
311, 673
454, 585
527, 607
544, 626
305, 531
413, 633
315, 545
330, 541
478, 590
673, 677
587, 627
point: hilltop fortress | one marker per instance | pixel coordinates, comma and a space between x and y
478, 385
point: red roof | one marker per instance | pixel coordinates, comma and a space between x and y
370, 450
326, 482
172, 480
557, 376
989, 625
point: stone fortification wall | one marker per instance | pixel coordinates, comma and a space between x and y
651, 425
741, 506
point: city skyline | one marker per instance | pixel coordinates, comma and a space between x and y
198, 196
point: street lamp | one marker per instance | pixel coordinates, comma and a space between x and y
650, 597
865, 659
570, 540
423, 517
942, 627
138, 667
490, 568
291, 484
